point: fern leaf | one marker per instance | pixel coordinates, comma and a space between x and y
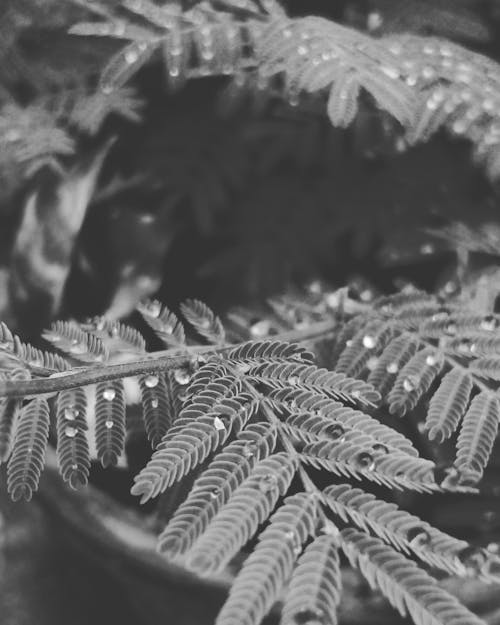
160, 404
215, 486
192, 444
414, 379
392, 95
117, 337
339, 415
165, 324
394, 357
28, 452
406, 532
268, 567
349, 459
322, 381
448, 404
408, 588
342, 105
68, 337
204, 321
254, 352
9, 413
125, 63
365, 344
477, 435
72, 446
345, 335
486, 367
250, 505
316, 585
110, 421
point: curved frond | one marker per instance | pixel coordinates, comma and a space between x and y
68, 337
351, 458
160, 404
409, 589
215, 486
28, 451
192, 444
165, 323
268, 567
315, 587
72, 446
402, 530
390, 362
477, 435
322, 381
448, 404
364, 345
414, 379
9, 412
117, 337
204, 321
237, 521
253, 352
109, 421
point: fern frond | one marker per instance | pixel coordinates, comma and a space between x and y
160, 404
9, 413
402, 530
237, 521
477, 435
349, 459
322, 381
345, 417
448, 404
268, 567
109, 421
394, 357
414, 379
204, 321
72, 446
364, 345
69, 338
215, 486
115, 336
165, 324
409, 589
254, 352
488, 367
28, 451
315, 587
192, 444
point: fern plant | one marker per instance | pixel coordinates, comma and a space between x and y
252, 420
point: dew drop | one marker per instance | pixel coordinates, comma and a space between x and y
369, 341
214, 493
335, 431
268, 482
131, 57
372, 363
451, 329
182, 376
489, 323
392, 367
380, 448
293, 380
151, 381
364, 460
309, 616
155, 402
248, 451
474, 559
219, 424
410, 383
109, 425
109, 394
431, 361
70, 413
70, 431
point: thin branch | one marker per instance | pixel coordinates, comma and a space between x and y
158, 361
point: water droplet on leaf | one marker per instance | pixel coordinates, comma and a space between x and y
109, 394
392, 367
70, 413
182, 376
70, 431
369, 341
410, 383
151, 381
365, 461
268, 482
